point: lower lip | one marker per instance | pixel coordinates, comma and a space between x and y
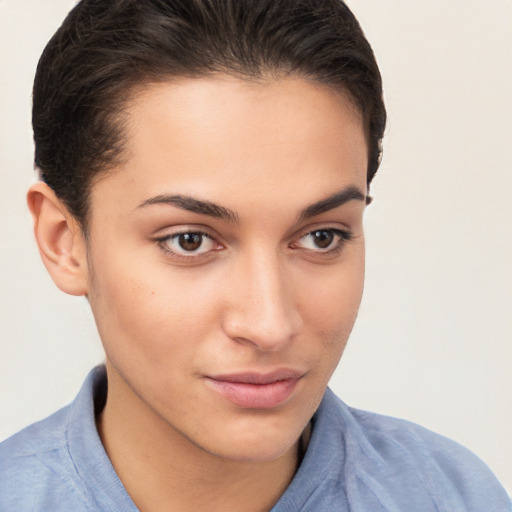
255, 396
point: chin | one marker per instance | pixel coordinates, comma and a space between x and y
258, 453
255, 442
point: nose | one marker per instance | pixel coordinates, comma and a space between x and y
261, 310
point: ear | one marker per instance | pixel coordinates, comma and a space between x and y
60, 240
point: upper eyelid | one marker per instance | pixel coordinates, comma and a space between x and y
342, 234
319, 227
172, 231
171, 236
327, 228
184, 256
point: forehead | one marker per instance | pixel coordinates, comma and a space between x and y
224, 136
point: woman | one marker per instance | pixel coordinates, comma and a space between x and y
205, 169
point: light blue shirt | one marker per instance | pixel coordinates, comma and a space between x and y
356, 461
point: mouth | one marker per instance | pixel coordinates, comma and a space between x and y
254, 390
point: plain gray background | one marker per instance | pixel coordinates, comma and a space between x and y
433, 342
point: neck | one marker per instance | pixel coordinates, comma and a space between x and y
163, 470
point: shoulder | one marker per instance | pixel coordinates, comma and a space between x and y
42, 436
36, 471
392, 437
395, 452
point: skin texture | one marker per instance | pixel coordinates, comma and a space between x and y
257, 295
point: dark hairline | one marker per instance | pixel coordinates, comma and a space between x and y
93, 67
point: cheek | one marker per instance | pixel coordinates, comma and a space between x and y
330, 309
145, 312
332, 303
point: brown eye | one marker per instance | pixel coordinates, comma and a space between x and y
190, 241
323, 241
322, 238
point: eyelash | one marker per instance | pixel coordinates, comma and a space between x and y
343, 236
164, 243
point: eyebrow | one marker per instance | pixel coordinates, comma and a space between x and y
193, 205
201, 207
344, 196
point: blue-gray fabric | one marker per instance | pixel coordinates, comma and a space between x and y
356, 461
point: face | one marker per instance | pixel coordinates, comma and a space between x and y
226, 258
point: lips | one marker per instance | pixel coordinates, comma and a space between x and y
254, 390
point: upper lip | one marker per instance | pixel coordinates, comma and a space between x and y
253, 377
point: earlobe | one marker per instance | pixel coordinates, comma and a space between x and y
60, 240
